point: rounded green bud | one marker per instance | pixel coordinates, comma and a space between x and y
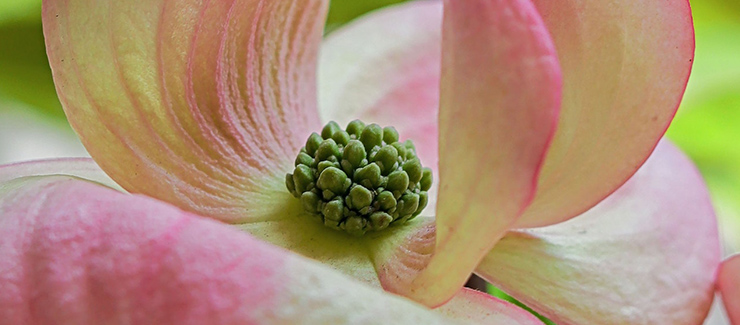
329, 130
386, 158
400, 148
355, 226
398, 182
408, 204
372, 136
386, 201
302, 178
359, 197
369, 176
359, 179
354, 153
327, 148
380, 220
426, 179
334, 210
413, 168
423, 201
355, 128
290, 185
390, 135
341, 137
310, 201
303, 159
332, 179
313, 142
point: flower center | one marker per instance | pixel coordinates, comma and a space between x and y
359, 179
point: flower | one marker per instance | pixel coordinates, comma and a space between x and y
544, 110
729, 286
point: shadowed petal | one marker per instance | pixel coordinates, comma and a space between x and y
625, 67
477, 307
202, 104
84, 168
648, 254
72, 252
499, 103
729, 285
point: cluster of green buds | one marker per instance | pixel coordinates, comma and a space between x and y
359, 179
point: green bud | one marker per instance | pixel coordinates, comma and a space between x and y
327, 148
372, 136
368, 176
310, 201
290, 184
359, 197
302, 178
355, 226
355, 128
386, 158
313, 142
390, 135
398, 182
303, 159
426, 179
332, 179
354, 153
413, 168
329, 130
341, 137
408, 204
423, 201
380, 220
400, 148
410, 149
334, 210
386, 201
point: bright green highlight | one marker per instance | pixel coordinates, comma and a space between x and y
359, 179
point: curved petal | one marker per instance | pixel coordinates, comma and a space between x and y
499, 102
477, 307
729, 286
625, 68
72, 252
84, 168
648, 254
202, 104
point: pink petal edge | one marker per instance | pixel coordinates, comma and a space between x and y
84, 168
476, 307
648, 254
72, 252
200, 104
729, 286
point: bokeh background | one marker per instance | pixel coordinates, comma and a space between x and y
707, 127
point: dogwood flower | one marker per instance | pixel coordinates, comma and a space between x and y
530, 113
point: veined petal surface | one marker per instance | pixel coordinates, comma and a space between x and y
500, 96
729, 286
202, 104
84, 168
648, 254
625, 66
481, 308
73, 252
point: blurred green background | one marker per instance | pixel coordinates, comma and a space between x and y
707, 126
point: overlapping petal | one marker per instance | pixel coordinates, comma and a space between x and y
648, 254
480, 308
500, 96
729, 286
77, 253
625, 67
202, 104
84, 168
